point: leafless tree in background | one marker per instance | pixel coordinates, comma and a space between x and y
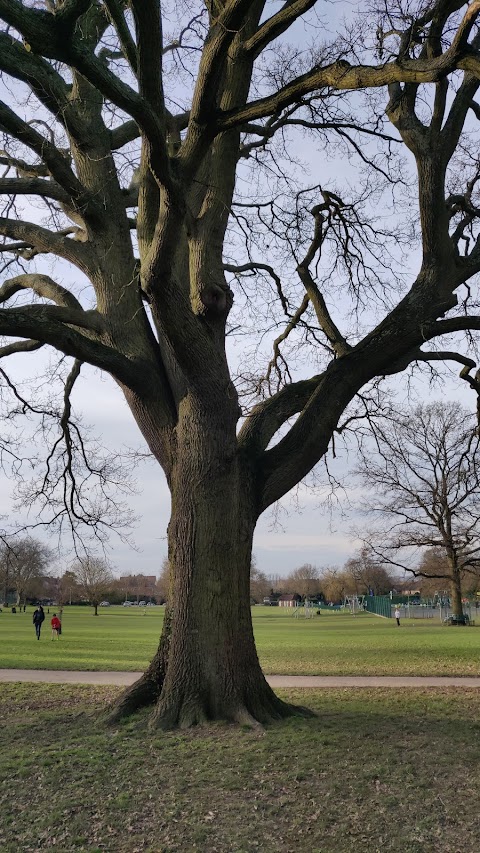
259, 583
94, 578
305, 580
424, 483
23, 565
367, 575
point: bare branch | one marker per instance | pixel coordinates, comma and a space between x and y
47, 84
276, 25
19, 346
252, 266
277, 356
343, 76
148, 27
56, 163
129, 47
55, 325
70, 10
445, 355
268, 416
54, 37
335, 338
122, 135
43, 240
462, 102
34, 186
43, 286
210, 78
452, 324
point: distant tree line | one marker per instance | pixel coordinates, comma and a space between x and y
29, 574
362, 574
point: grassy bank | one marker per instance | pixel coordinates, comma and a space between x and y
126, 638
376, 770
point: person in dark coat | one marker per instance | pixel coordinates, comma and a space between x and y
38, 619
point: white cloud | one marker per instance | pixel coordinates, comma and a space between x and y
301, 542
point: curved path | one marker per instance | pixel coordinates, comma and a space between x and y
121, 679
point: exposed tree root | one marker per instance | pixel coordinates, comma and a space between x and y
184, 712
184, 700
185, 709
146, 691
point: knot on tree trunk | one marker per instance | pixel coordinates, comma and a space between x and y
216, 300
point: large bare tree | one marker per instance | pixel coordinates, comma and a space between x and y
425, 486
305, 580
24, 562
368, 575
205, 99
94, 578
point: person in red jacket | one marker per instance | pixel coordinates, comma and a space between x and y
56, 626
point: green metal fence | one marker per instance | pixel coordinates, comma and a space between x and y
379, 604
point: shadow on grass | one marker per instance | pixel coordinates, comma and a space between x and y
376, 769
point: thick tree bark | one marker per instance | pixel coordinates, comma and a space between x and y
147, 689
206, 666
456, 590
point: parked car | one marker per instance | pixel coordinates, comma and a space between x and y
128, 603
104, 604
149, 604
142, 603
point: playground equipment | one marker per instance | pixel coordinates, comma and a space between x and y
308, 608
355, 603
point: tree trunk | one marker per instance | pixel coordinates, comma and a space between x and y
6, 585
206, 666
456, 590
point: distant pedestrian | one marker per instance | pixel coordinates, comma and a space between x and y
38, 620
397, 616
56, 626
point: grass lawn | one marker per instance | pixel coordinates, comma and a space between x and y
331, 644
377, 770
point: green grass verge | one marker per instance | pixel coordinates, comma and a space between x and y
330, 644
377, 770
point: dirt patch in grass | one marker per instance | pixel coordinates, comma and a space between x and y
375, 770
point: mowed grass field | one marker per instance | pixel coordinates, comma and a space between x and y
331, 644
375, 770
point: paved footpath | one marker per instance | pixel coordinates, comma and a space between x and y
53, 676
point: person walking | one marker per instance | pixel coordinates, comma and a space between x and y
38, 620
56, 626
397, 616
